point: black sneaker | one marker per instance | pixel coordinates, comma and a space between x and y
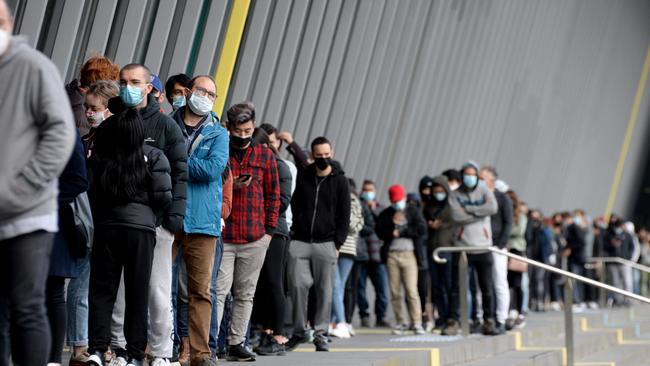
365, 322
222, 353
239, 353
271, 348
490, 328
475, 327
381, 323
510, 324
501, 328
264, 341
451, 328
294, 342
321, 345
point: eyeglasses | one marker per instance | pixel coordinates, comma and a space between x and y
203, 92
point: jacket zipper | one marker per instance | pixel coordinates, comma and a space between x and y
313, 218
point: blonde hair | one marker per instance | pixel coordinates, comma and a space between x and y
105, 90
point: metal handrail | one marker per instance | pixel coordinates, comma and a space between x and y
618, 260
568, 288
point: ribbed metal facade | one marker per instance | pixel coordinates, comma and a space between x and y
542, 89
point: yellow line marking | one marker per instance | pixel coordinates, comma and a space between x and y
631, 124
434, 357
620, 335
228, 58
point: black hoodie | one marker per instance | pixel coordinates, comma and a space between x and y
321, 207
163, 132
434, 210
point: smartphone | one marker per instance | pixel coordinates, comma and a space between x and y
243, 177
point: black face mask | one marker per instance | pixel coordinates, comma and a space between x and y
240, 142
322, 163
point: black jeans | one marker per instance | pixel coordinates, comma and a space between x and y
270, 295
351, 289
516, 292
56, 312
25, 263
379, 278
113, 249
482, 264
423, 290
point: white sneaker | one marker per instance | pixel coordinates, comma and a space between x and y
593, 306
351, 330
117, 361
429, 327
341, 331
418, 329
159, 362
96, 360
555, 306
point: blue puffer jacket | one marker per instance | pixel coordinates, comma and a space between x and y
207, 159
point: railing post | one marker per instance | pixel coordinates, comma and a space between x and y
462, 292
602, 294
568, 320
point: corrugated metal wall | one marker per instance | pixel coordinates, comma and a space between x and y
540, 88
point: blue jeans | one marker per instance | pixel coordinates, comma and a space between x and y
441, 285
213, 292
379, 278
340, 278
181, 308
77, 305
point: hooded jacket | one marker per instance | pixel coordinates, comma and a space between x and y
163, 133
36, 141
78, 109
208, 157
471, 209
415, 229
434, 210
321, 208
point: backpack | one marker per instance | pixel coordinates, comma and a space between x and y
77, 226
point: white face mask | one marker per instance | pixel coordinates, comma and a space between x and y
96, 118
454, 186
4, 41
200, 105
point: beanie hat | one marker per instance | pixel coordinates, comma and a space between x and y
425, 182
396, 193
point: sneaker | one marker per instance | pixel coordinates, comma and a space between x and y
400, 329
555, 306
510, 324
381, 323
321, 345
97, 359
451, 328
222, 353
579, 308
264, 341
476, 327
271, 348
160, 362
134, 362
520, 322
341, 331
365, 322
208, 361
294, 342
490, 328
351, 330
239, 353
118, 361
418, 329
79, 360
429, 327
592, 305
501, 328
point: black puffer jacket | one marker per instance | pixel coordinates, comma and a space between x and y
415, 229
142, 211
285, 197
162, 132
321, 209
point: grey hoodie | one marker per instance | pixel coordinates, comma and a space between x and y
36, 141
471, 210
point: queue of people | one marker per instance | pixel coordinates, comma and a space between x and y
184, 237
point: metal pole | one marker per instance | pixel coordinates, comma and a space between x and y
462, 287
568, 320
602, 273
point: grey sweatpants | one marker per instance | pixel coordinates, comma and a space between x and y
311, 265
161, 320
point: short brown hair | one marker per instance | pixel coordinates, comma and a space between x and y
105, 90
241, 113
98, 68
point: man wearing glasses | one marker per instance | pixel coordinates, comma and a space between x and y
163, 133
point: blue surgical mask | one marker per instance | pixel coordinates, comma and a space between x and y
440, 196
577, 220
400, 205
131, 95
470, 181
368, 196
178, 101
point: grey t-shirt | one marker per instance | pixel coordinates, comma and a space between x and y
402, 245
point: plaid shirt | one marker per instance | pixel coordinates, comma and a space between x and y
254, 208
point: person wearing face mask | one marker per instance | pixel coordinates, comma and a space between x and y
437, 214
618, 243
575, 252
38, 137
321, 221
472, 204
176, 89
250, 227
157, 90
96, 104
161, 132
403, 230
454, 178
207, 148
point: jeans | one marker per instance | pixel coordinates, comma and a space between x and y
441, 285
341, 274
56, 314
214, 328
179, 296
24, 267
578, 287
379, 278
77, 305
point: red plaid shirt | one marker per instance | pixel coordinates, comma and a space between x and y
254, 208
